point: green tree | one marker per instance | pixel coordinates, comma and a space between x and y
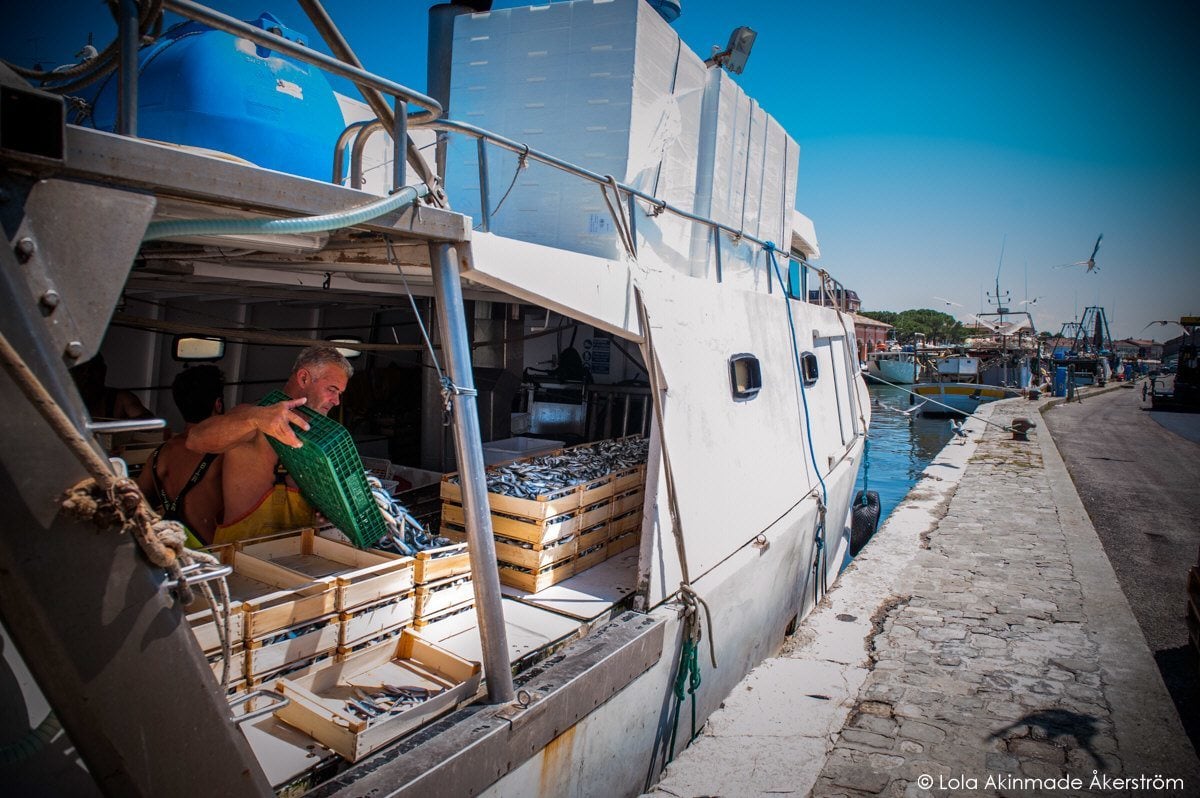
885, 316
938, 327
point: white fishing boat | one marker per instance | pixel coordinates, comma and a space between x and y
894, 366
1001, 368
600, 180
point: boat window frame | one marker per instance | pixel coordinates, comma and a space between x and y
743, 390
810, 370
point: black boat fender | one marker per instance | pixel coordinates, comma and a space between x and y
864, 520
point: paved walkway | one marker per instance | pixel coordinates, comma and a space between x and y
980, 645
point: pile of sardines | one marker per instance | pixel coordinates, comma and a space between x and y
537, 476
405, 534
388, 699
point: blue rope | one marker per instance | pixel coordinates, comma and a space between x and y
769, 246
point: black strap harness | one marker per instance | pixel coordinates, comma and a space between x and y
172, 509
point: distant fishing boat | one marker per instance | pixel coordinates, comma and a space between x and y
896, 367
1002, 366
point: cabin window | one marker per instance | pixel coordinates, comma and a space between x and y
186, 348
347, 352
745, 376
808, 368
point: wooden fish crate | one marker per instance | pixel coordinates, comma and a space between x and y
422, 621
592, 556
373, 620
620, 544
629, 478
629, 522
539, 531
547, 505
534, 581
441, 563
292, 646
237, 665
437, 597
628, 501
199, 615
535, 557
596, 535
319, 695
204, 625
593, 514
361, 577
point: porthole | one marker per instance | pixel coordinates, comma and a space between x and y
808, 366
745, 376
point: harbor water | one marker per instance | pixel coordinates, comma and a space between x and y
899, 446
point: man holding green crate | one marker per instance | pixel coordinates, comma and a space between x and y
259, 499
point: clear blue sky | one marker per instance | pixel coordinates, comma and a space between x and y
930, 132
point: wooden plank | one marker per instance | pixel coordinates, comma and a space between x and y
440, 596
596, 513
629, 501
591, 557
293, 646
374, 620
630, 522
620, 544
423, 621
593, 537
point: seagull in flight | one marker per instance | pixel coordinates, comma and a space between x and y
948, 302
909, 413
1030, 301
1160, 321
1090, 263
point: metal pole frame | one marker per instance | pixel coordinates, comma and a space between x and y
468, 446
127, 87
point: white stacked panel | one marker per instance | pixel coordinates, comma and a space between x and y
754, 166
591, 83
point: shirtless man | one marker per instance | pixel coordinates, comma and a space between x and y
258, 500
181, 484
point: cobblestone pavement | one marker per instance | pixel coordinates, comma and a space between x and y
1002, 652
985, 666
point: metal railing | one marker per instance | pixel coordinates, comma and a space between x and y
402, 96
626, 199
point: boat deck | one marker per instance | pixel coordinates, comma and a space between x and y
537, 625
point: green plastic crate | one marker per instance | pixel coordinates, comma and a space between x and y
330, 475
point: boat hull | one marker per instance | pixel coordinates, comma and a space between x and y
619, 748
950, 398
894, 370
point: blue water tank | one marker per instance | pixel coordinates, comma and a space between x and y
205, 88
1060, 381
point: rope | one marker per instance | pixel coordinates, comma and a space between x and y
688, 675
522, 163
769, 246
942, 404
449, 389
103, 498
